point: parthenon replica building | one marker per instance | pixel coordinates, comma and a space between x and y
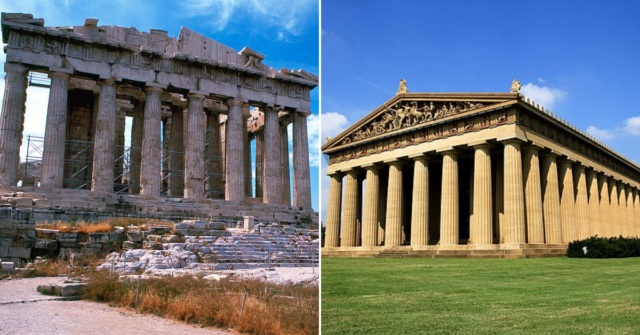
472, 175
195, 107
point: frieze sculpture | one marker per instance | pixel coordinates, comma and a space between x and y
516, 85
403, 87
410, 113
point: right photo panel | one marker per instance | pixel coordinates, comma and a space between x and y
479, 167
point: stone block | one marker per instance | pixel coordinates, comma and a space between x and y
6, 266
70, 245
151, 245
134, 236
182, 225
171, 239
130, 245
67, 237
49, 234
91, 251
25, 225
46, 244
159, 230
119, 230
4, 252
217, 225
6, 242
248, 223
98, 237
19, 252
21, 202
117, 237
92, 245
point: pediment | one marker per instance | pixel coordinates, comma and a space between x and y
416, 110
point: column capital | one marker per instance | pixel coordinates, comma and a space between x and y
299, 112
196, 96
420, 157
579, 167
549, 154
512, 141
372, 167
531, 147
451, 151
107, 81
154, 88
566, 160
336, 174
353, 172
15, 67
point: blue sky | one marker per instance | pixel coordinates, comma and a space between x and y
285, 31
580, 59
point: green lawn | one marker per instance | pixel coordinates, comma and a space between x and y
467, 296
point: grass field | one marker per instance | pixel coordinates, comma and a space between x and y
466, 296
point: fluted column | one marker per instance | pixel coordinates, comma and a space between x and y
636, 210
420, 206
259, 163
614, 208
513, 193
567, 201
11, 122
150, 176
631, 230
248, 175
582, 203
301, 178
177, 153
137, 130
272, 161
104, 143
393, 229
215, 171
481, 230
371, 203
194, 153
533, 194
449, 202
622, 210
594, 204
333, 211
55, 132
605, 206
349, 210
284, 158
551, 199
234, 152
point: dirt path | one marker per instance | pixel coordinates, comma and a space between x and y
44, 315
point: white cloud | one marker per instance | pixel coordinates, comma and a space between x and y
632, 125
313, 133
542, 81
287, 16
333, 124
543, 95
602, 134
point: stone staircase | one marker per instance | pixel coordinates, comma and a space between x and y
523, 251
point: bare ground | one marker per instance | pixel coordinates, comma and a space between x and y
23, 310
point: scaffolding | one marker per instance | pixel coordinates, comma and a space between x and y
31, 167
210, 174
168, 173
78, 164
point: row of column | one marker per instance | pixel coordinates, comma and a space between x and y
545, 198
146, 135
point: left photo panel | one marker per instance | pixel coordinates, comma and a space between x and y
159, 167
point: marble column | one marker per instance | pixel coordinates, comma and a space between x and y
551, 199
349, 210
248, 175
194, 153
614, 208
333, 211
259, 163
371, 203
513, 193
605, 206
150, 172
177, 153
583, 216
594, 204
216, 184
301, 178
630, 215
420, 206
11, 121
481, 230
284, 157
137, 130
636, 210
622, 210
567, 201
272, 191
55, 134
533, 194
393, 229
104, 143
449, 202
234, 152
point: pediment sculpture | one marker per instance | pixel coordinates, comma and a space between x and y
409, 113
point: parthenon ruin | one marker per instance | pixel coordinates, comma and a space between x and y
473, 175
196, 105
